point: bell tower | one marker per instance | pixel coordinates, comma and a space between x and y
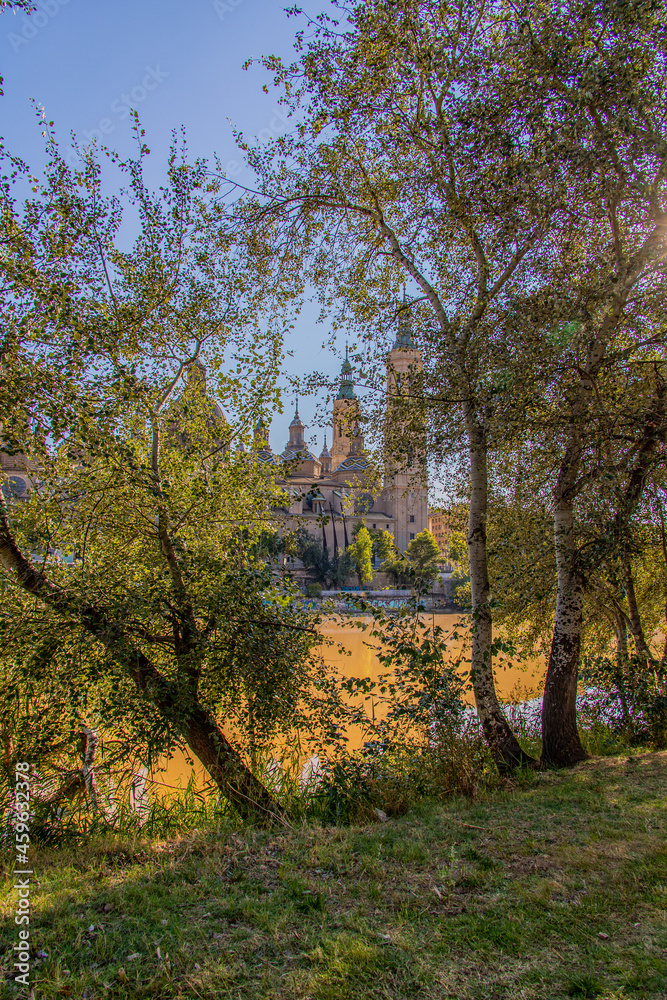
297, 441
345, 410
325, 457
405, 485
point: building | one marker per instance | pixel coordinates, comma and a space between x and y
16, 478
440, 527
332, 491
329, 493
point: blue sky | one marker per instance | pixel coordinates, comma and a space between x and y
178, 62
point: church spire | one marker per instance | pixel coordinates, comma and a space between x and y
346, 390
404, 337
296, 431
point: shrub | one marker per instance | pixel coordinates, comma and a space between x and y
393, 778
631, 701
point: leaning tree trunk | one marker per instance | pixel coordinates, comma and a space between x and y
502, 742
223, 763
207, 741
199, 727
622, 666
561, 746
641, 646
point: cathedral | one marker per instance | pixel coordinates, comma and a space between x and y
328, 494
331, 492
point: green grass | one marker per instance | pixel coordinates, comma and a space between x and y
553, 888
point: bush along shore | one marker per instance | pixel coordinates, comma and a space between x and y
548, 885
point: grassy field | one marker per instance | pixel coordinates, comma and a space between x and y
553, 888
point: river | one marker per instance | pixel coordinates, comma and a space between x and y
514, 682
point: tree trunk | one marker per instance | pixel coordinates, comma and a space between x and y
206, 739
504, 746
89, 744
561, 746
223, 763
641, 646
622, 667
663, 541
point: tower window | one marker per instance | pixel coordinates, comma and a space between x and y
412, 535
412, 518
375, 525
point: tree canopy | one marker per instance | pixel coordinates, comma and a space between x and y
130, 573
508, 161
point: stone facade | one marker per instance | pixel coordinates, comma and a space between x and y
16, 479
333, 491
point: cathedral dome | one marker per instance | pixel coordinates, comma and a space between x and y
354, 463
266, 457
303, 454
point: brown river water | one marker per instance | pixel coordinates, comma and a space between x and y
514, 682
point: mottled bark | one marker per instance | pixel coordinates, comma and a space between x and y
663, 541
83, 781
501, 740
561, 746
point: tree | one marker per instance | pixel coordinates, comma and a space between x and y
328, 570
314, 557
423, 554
398, 567
361, 553
600, 73
489, 154
417, 163
418, 565
383, 543
129, 550
383, 540
621, 468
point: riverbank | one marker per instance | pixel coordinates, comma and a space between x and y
345, 602
550, 888
353, 653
